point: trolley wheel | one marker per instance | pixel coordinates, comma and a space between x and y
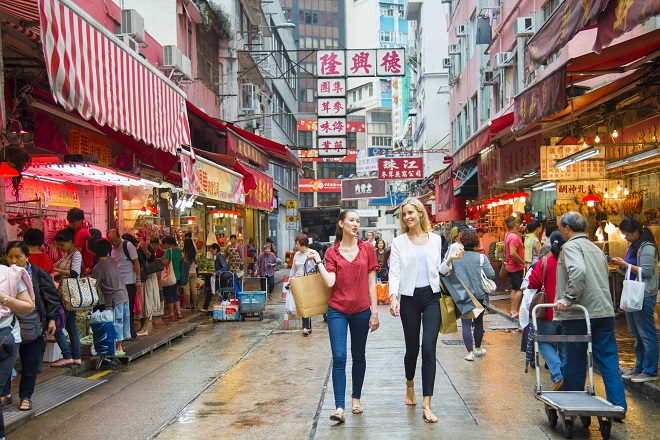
552, 416
115, 364
242, 318
586, 421
605, 427
568, 428
261, 316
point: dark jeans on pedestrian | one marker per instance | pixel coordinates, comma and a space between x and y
6, 366
270, 280
606, 358
307, 323
466, 329
72, 330
338, 325
171, 294
642, 327
132, 290
423, 308
31, 354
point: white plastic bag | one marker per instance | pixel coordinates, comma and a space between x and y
290, 303
632, 296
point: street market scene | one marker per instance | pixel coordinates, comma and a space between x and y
329, 219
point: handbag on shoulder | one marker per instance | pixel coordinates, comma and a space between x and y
488, 285
79, 292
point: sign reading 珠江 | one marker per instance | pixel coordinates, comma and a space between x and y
400, 168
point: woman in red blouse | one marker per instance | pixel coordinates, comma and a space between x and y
350, 270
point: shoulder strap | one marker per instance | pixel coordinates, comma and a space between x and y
481, 260
543, 267
125, 246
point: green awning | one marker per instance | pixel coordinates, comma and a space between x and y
469, 187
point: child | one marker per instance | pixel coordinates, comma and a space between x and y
109, 281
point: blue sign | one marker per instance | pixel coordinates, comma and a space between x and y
387, 152
392, 200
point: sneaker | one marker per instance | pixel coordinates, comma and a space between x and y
469, 357
630, 374
643, 377
479, 352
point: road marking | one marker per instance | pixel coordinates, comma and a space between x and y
99, 375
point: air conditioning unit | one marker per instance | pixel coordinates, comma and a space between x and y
132, 24
454, 49
446, 63
504, 59
524, 27
460, 30
489, 78
172, 57
129, 41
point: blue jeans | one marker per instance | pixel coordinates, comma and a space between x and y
642, 327
6, 365
606, 358
72, 330
338, 324
549, 350
122, 317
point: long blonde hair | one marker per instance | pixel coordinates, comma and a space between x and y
424, 222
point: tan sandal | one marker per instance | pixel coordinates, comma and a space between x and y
428, 415
410, 393
338, 415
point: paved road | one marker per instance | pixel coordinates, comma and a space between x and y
253, 380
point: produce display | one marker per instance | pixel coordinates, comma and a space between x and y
206, 264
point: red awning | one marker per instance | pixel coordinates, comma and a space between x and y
499, 124
211, 120
278, 150
261, 197
91, 72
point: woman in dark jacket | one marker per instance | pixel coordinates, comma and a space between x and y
47, 302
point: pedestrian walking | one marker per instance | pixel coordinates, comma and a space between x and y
515, 263
582, 278
383, 256
126, 256
414, 289
547, 279
350, 269
467, 266
69, 266
532, 243
299, 266
642, 253
171, 293
266, 268
35, 325
191, 257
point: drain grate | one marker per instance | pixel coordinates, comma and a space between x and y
498, 297
457, 342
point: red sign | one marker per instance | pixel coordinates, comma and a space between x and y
621, 16
519, 157
542, 100
319, 186
313, 156
400, 168
51, 193
86, 142
311, 125
489, 172
261, 197
242, 149
472, 147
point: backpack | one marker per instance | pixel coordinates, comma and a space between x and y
142, 260
540, 296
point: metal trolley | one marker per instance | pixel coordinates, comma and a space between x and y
568, 405
252, 300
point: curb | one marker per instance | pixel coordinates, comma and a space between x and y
647, 389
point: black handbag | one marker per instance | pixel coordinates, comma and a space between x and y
30, 326
7, 340
154, 266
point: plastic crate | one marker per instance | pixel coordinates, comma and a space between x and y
251, 302
227, 311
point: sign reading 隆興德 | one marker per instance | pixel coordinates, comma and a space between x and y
399, 168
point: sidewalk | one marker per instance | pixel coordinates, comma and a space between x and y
500, 302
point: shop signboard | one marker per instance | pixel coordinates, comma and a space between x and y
326, 87
643, 132
331, 106
489, 172
312, 125
51, 193
518, 158
365, 165
239, 147
319, 185
205, 180
592, 168
371, 188
261, 197
83, 141
400, 168
313, 156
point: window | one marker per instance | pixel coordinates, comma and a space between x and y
381, 117
305, 139
381, 141
307, 200
370, 89
351, 140
386, 36
360, 94
328, 199
474, 113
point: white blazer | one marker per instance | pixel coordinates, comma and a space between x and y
403, 265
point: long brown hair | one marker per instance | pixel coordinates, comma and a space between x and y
339, 233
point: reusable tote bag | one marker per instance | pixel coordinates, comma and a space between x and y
78, 293
448, 315
311, 294
632, 296
167, 277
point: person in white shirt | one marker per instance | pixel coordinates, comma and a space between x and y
414, 286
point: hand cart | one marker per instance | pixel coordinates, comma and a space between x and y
225, 293
105, 335
252, 300
567, 405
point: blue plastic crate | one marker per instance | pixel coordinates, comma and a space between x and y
252, 301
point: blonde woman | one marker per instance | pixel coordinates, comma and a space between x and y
415, 259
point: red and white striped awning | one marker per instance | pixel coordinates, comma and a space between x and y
91, 72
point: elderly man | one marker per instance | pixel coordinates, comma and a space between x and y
129, 269
582, 278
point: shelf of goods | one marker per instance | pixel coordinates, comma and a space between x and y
496, 220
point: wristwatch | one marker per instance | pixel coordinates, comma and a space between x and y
4, 300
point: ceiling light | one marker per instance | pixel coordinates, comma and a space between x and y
615, 134
633, 158
517, 179
543, 185
577, 157
618, 186
590, 199
597, 139
626, 192
532, 174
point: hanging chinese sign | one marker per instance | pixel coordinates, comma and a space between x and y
87, 142
262, 196
326, 87
399, 168
371, 188
51, 193
592, 168
332, 147
331, 107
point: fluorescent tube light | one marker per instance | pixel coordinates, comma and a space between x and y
543, 185
517, 179
633, 158
577, 157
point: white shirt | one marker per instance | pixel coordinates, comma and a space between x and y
404, 265
422, 274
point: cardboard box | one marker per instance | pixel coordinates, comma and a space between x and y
293, 323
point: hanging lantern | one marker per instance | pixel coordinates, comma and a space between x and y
190, 220
590, 199
523, 196
7, 171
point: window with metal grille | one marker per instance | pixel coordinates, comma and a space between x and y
208, 48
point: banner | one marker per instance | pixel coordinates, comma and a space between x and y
206, 180
542, 100
313, 156
621, 16
242, 149
400, 168
261, 197
371, 188
82, 141
321, 185
477, 143
51, 193
518, 158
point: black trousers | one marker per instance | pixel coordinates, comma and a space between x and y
270, 280
223, 280
132, 290
31, 355
421, 309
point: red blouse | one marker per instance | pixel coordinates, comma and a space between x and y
350, 293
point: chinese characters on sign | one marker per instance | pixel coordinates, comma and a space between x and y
399, 168
322, 186
330, 63
592, 168
332, 127
87, 142
326, 87
390, 62
331, 107
52, 194
332, 146
371, 188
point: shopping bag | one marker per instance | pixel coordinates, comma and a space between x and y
311, 294
632, 295
478, 308
488, 285
290, 303
167, 277
382, 292
78, 293
451, 285
137, 305
448, 315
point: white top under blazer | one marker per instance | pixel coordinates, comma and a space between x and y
403, 265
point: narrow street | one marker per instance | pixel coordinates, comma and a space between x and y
253, 379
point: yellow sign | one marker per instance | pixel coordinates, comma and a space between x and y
292, 204
87, 142
291, 218
51, 193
